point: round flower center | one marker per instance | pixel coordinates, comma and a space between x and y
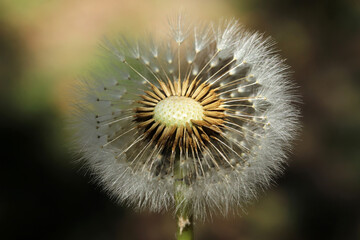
178, 110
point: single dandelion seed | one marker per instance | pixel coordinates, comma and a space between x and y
197, 123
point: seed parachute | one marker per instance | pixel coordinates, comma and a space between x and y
209, 112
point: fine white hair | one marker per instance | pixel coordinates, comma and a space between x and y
258, 98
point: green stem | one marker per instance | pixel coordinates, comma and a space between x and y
184, 218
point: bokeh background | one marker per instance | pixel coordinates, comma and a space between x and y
45, 45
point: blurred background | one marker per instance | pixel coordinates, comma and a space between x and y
46, 45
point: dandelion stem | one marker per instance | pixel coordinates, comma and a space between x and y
184, 215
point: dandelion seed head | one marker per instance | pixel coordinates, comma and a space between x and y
177, 111
213, 98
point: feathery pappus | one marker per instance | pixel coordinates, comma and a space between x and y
212, 102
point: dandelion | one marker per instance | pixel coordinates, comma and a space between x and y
197, 123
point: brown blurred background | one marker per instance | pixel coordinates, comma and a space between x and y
46, 45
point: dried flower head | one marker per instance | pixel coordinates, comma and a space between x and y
212, 103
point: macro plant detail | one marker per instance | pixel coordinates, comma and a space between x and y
197, 123
180, 118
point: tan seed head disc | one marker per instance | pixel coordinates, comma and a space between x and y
177, 111
180, 114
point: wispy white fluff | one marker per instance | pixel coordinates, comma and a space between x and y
261, 124
202, 37
227, 35
179, 30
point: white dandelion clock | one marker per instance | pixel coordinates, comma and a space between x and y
197, 123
